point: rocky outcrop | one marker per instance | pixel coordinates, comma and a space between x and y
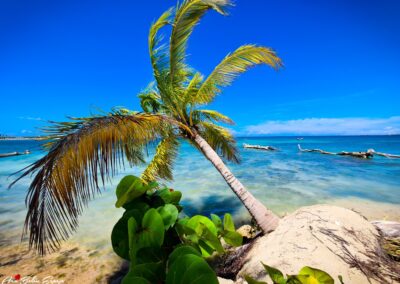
388, 229
334, 239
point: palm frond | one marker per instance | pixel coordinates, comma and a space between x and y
210, 115
84, 154
154, 40
192, 87
187, 16
232, 66
159, 51
221, 140
160, 166
150, 99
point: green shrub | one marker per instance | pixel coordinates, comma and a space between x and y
307, 275
161, 246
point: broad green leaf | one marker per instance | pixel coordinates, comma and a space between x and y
228, 223
129, 188
197, 219
153, 272
120, 239
183, 230
133, 238
176, 197
169, 214
217, 222
171, 238
233, 238
152, 254
205, 248
293, 279
170, 195
275, 274
135, 213
130, 279
180, 251
165, 194
152, 231
209, 238
315, 276
119, 235
190, 269
138, 204
253, 281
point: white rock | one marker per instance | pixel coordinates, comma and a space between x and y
320, 236
224, 281
246, 231
388, 228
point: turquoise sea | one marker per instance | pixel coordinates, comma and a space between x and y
284, 180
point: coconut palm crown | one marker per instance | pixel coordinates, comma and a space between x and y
84, 153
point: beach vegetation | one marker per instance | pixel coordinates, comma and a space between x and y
306, 275
163, 247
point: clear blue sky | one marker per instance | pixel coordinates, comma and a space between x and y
341, 75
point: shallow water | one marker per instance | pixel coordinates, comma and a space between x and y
284, 180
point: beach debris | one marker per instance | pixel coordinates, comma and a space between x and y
383, 154
259, 147
362, 155
5, 155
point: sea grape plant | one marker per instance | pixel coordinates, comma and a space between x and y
161, 246
306, 275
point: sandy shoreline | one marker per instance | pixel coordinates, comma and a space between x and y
369, 209
84, 263
72, 264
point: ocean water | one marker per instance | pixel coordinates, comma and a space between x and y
284, 180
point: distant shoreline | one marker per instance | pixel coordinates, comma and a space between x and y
314, 136
21, 138
38, 138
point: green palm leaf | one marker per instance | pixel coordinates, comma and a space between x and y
232, 66
221, 140
210, 115
157, 52
161, 165
187, 16
150, 99
84, 154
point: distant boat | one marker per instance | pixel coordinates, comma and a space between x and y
299, 138
5, 155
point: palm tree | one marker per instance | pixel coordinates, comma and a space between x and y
85, 152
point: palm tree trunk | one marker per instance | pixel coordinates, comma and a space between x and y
264, 217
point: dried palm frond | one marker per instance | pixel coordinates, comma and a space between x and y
84, 154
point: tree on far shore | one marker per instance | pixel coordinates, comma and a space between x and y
85, 152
